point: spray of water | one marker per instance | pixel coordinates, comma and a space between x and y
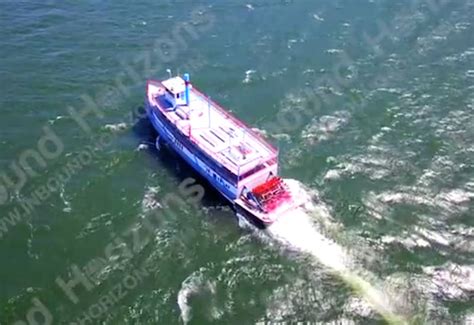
296, 231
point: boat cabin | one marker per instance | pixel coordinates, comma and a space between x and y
177, 91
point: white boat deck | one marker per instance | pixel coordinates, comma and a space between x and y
219, 134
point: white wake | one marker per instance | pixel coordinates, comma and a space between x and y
296, 231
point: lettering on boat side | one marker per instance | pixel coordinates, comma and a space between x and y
176, 142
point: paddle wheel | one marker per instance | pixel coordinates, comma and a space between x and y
270, 194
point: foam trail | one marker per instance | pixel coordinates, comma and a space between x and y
297, 231
195, 284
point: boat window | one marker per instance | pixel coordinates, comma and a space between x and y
257, 168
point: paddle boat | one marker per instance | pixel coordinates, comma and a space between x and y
237, 161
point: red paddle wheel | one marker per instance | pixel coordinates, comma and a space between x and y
272, 193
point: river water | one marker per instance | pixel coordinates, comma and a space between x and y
370, 103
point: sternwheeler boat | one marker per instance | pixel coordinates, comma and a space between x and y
234, 159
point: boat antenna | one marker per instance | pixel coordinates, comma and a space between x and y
169, 72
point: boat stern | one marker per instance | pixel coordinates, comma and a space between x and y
267, 202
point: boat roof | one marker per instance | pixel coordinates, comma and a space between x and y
175, 85
219, 134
